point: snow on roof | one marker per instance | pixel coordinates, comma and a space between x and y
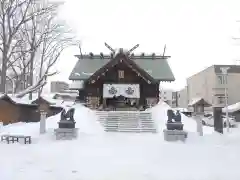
22, 100
197, 100
46, 97
181, 109
25, 99
70, 94
232, 108
64, 104
194, 101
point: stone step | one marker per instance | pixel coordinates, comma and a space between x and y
132, 130
126, 121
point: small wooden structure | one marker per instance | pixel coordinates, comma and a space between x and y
12, 111
121, 80
198, 105
49, 107
9, 111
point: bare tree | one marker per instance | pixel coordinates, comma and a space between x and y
14, 14
31, 42
52, 39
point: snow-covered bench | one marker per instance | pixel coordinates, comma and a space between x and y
15, 138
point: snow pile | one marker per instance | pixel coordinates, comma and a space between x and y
87, 120
232, 108
159, 113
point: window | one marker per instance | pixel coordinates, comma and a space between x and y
120, 74
221, 99
221, 78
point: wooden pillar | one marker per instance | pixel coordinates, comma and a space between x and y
104, 102
137, 101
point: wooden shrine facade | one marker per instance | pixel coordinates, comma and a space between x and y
121, 79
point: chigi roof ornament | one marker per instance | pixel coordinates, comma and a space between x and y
131, 50
121, 50
110, 48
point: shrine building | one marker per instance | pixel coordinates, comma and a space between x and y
120, 80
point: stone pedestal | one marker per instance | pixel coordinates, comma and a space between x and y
66, 133
174, 135
66, 124
175, 126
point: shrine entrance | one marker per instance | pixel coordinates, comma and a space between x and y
121, 96
121, 102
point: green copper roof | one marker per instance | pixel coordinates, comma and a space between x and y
158, 67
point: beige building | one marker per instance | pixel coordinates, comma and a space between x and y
59, 86
166, 95
183, 98
209, 85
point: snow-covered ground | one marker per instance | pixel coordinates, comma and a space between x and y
97, 155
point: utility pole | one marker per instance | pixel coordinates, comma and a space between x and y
224, 72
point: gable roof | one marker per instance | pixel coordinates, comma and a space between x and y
197, 101
13, 100
25, 101
125, 59
157, 67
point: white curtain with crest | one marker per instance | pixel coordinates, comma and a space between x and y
126, 90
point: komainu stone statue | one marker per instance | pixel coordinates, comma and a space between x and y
70, 114
174, 121
174, 131
67, 119
170, 115
66, 126
178, 117
63, 115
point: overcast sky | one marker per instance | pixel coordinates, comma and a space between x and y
198, 33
